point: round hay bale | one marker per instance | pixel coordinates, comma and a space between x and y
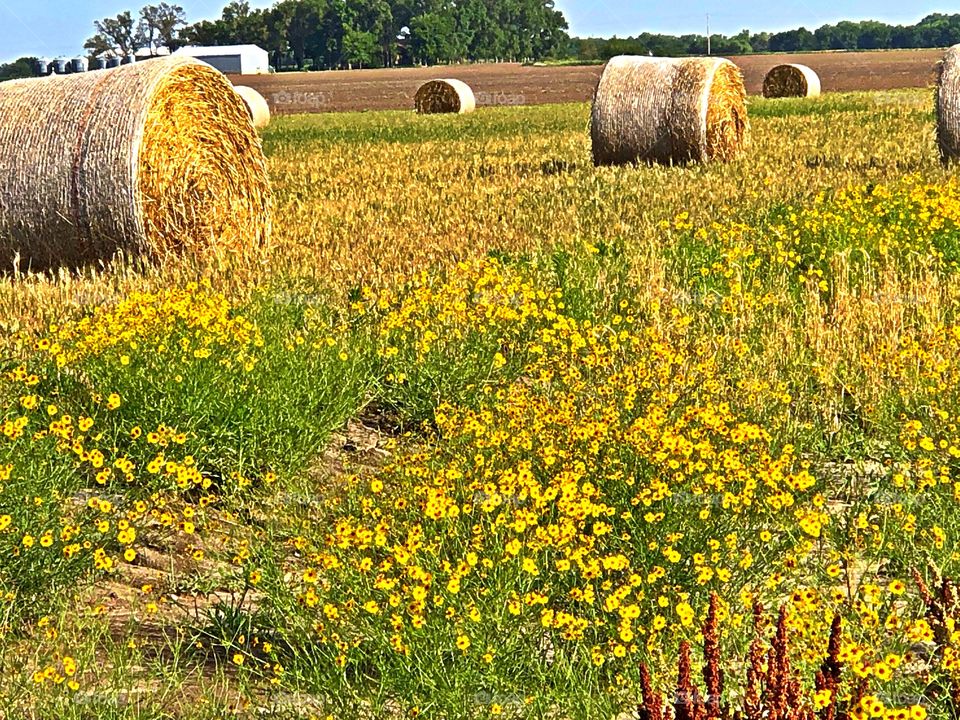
668, 111
256, 105
948, 106
791, 80
445, 96
150, 159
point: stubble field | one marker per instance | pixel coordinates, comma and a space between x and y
506, 84
492, 432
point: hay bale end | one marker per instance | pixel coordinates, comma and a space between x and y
790, 81
445, 96
256, 105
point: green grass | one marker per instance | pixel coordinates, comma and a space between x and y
308, 132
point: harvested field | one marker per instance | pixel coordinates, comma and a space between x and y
515, 84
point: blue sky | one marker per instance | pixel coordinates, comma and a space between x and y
59, 27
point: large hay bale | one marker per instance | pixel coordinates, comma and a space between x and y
149, 158
791, 80
445, 96
256, 105
948, 106
669, 111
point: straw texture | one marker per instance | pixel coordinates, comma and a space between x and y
948, 106
668, 111
150, 158
445, 96
256, 105
791, 80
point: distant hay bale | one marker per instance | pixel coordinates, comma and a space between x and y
445, 96
668, 111
256, 105
948, 106
791, 80
150, 159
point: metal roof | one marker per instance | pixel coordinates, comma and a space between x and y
194, 51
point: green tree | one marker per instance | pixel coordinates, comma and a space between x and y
359, 47
161, 25
738, 44
430, 37
374, 17
760, 42
935, 30
207, 32
275, 37
99, 45
904, 36
588, 49
471, 21
486, 37
301, 20
119, 34
22, 68
793, 41
328, 45
874, 36
237, 25
842, 36
548, 28
938, 30
337, 33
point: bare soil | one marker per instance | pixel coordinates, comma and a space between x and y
515, 84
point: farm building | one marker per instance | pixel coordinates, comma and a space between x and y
151, 53
234, 59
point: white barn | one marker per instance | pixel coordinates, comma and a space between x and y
149, 53
232, 59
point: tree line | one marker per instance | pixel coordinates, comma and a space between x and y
933, 31
329, 34
156, 27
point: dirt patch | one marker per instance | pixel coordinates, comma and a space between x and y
514, 84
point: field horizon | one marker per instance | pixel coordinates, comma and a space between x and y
506, 84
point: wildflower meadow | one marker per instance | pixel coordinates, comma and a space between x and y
491, 432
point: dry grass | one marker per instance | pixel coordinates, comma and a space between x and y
534, 186
529, 187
